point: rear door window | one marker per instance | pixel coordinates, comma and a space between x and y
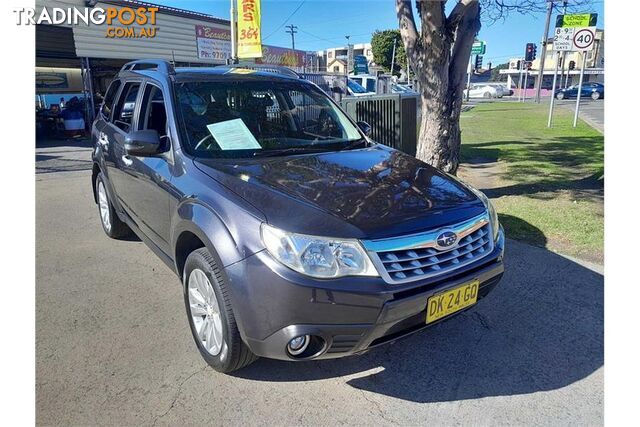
109, 98
153, 114
126, 105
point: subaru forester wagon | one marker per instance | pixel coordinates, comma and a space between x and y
296, 237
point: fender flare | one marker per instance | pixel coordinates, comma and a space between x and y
194, 217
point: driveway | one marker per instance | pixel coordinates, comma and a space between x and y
113, 345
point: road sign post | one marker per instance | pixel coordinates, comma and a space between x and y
478, 48
520, 68
584, 63
573, 33
526, 77
553, 90
468, 78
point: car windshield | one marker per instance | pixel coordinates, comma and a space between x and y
234, 119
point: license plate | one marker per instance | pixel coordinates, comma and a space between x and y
452, 300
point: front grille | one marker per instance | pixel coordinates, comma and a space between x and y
424, 259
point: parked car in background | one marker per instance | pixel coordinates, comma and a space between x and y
355, 89
295, 236
368, 82
593, 90
502, 87
481, 90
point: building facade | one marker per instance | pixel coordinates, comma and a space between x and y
569, 64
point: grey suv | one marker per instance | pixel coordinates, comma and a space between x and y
295, 236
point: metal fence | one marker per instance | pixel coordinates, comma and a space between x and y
392, 117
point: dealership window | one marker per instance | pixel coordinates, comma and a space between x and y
153, 114
336, 69
123, 113
109, 98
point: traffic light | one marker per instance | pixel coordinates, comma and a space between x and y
478, 62
530, 52
572, 65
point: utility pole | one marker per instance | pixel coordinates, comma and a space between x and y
234, 45
545, 37
347, 68
292, 29
564, 53
393, 56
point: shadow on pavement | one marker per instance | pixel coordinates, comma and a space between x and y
541, 329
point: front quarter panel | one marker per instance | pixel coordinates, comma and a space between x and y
207, 209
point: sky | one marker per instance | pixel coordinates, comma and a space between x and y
324, 23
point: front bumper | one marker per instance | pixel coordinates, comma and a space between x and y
273, 304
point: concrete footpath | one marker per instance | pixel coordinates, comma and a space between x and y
113, 345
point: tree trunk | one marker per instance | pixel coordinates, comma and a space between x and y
439, 56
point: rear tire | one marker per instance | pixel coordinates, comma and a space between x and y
111, 224
595, 95
211, 319
560, 95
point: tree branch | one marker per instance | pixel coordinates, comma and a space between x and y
465, 32
457, 13
408, 30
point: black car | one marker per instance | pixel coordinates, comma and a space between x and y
593, 90
295, 236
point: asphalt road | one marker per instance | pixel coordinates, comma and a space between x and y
113, 344
591, 111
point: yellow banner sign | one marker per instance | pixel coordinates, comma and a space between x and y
577, 20
249, 38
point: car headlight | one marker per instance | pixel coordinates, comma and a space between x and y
493, 215
318, 256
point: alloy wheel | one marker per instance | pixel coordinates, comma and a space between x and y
103, 203
205, 311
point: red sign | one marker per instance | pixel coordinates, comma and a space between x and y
281, 56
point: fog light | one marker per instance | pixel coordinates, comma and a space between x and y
298, 344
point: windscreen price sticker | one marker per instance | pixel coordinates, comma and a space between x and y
570, 39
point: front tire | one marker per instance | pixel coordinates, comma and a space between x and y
210, 314
560, 95
111, 223
487, 95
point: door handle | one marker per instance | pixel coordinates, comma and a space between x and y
127, 160
103, 140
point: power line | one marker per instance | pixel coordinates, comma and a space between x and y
326, 39
286, 20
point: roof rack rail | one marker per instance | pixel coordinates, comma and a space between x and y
275, 69
160, 65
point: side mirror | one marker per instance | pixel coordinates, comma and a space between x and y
365, 128
143, 143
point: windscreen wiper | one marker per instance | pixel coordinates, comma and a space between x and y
285, 151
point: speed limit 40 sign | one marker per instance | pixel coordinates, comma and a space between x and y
583, 38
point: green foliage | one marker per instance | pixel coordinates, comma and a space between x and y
382, 48
495, 73
548, 187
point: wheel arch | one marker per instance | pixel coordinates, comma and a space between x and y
198, 226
